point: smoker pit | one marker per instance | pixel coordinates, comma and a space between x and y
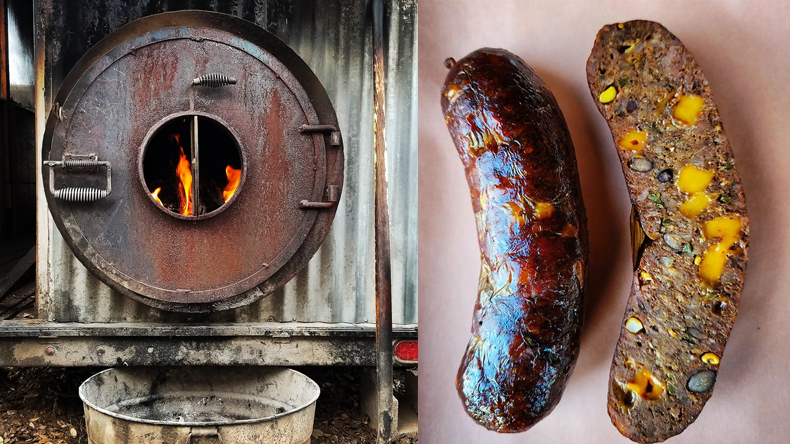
192, 161
188, 143
192, 405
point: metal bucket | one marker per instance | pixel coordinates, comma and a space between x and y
183, 405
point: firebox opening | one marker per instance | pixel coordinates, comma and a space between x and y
192, 166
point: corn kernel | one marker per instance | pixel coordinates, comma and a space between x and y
697, 260
634, 325
710, 358
693, 179
646, 276
688, 108
633, 141
608, 94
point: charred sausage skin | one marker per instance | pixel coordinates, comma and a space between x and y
520, 165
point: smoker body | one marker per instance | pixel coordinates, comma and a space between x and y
325, 314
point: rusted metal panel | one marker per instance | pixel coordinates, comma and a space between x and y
334, 38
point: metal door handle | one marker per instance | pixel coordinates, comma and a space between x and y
89, 162
334, 133
214, 80
203, 436
333, 194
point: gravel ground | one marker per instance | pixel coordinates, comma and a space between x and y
40, 405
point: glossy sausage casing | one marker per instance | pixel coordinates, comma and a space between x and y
521, 169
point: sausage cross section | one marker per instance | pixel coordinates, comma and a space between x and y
688, 199
520, 165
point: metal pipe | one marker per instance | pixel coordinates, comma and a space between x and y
194, 163
4, 104
382, 238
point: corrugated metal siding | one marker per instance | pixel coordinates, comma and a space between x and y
334, 38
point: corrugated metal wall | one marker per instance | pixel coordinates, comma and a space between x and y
334, 38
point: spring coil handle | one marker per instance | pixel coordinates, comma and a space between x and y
79, 163
214, 80
80, 194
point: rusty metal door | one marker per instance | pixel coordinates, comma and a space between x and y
192, 161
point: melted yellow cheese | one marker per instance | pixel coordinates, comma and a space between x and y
688, 108
696, 204
726, 228
646, 385
693, 179
633, 141
543, 210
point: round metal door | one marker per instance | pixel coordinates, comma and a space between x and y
192, 161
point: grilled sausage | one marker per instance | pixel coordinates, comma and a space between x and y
688, 198
521, 169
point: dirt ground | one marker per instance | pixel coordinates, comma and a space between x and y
41, 405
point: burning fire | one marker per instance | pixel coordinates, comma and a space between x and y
156, 195
184, 173
234, 176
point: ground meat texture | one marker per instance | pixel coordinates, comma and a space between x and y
520, 166
687, 197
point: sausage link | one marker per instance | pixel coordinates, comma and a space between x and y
521, 169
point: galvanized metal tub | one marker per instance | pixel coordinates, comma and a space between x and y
199, 405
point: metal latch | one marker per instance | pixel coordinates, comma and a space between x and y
79, 163
334, 133
333, 195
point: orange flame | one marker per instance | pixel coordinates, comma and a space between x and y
234, 176
184, 173
156, 195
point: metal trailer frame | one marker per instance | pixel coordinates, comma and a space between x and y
32, 343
